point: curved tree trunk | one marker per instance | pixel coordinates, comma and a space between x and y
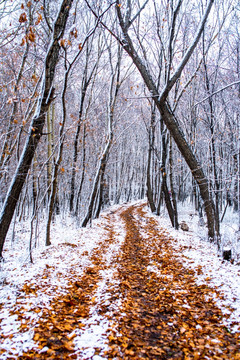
193, 164
166, 114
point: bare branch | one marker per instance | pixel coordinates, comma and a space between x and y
172, 32
217, 91
45, 16
137, 14
188, 54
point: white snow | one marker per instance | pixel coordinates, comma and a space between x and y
70, 253
195, 251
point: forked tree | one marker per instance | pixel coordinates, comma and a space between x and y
126, 21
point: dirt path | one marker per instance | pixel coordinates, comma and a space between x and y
137, 297
165, 314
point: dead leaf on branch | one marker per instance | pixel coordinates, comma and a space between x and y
23, 18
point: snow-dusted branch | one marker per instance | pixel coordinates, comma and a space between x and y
188, 54
217, 91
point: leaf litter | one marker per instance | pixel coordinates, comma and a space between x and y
118, 290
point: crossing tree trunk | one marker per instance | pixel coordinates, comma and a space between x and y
162, 104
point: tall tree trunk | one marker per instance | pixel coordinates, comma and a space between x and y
113, 93
86, 80
149, 160
50, 127
34, 185
68, 67
37, 124
174, 201
57, 163
164, 188
193, 164
83, 170
216, 184
100, 196
75, 150
166, 114
95, 189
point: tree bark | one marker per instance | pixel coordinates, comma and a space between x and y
167, 116
85, 84
164, 187
210, 115
193, 164
50, 145
151, 138
37, 124
4, 158
174, 201
83, 170
113, 93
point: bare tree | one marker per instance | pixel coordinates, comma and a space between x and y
86, 81
115, 84
161, 99
38, 121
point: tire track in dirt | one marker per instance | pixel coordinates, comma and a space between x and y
164, 313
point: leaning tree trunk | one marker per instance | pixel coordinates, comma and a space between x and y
162, 105
37, 124
193, 164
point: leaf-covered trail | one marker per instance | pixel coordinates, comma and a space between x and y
135, 295
164, 314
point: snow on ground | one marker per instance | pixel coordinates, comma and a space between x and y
71, 248
195, 251
94, 334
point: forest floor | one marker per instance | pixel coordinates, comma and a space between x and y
122, 289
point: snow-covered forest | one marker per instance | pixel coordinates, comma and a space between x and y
115, 102
106, 103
